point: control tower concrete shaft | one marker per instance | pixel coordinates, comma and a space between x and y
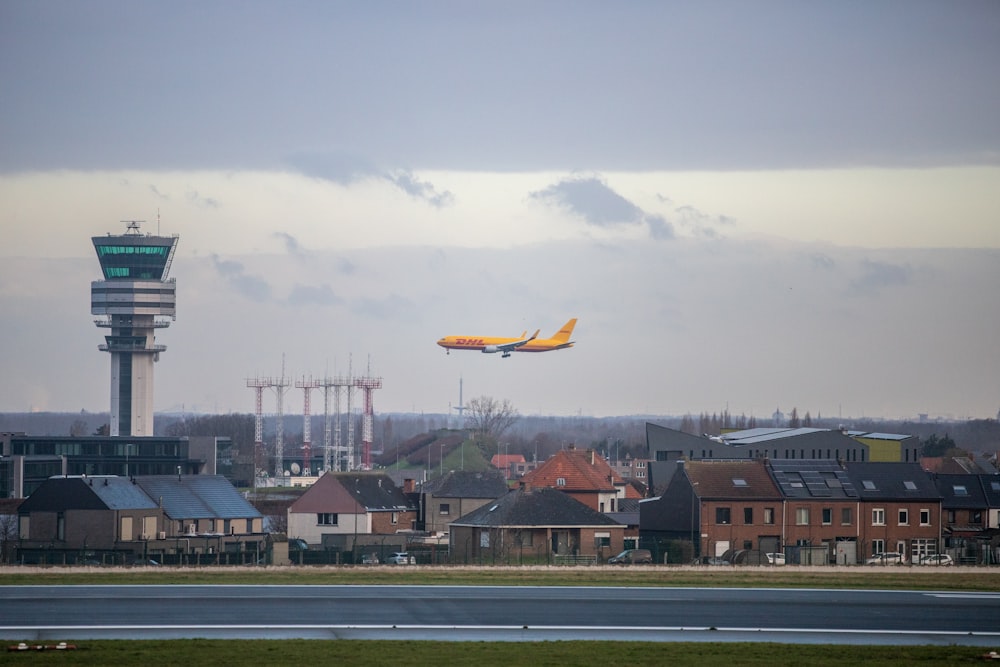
135, 292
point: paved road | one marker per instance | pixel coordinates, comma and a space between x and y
500, 613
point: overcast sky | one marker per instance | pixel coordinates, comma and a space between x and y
748, 205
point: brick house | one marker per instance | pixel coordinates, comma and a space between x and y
455, 494
114, 520
584, 475
534, 524
814, 511
342, 510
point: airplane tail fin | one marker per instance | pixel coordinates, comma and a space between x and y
567, 330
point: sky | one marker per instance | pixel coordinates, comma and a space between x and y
749, 206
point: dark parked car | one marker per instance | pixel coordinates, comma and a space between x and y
632, 557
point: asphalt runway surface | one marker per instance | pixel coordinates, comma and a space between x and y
502, 613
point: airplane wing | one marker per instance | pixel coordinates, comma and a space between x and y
507, 348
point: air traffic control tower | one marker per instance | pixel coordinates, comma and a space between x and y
131, 301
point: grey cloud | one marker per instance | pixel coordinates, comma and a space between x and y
197, 199
590, 199
292, 246
659, 227
252, 287
822, 261
345, 266
701, 223
418, 189
346, 170
388, 308
876, 275
321, 295
340, 168
156, 191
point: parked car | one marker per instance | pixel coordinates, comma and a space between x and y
936, 559
369, 559
401, 558
887, 558
297, 544
632, 557
776, 559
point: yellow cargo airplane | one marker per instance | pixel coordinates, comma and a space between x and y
492, 345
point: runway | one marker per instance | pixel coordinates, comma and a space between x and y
501, 613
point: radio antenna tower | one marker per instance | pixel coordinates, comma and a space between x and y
307, 386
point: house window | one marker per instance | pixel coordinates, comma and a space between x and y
395, 518
769, 516
845, 516
960, 490
748, 515
925, 517
951, 516
878, 547
600, 507
909, 485
524, 538
827, 516
904, 517
975, 516
801, 516
737, 481
445, 509
878, 518
868, 486
722, 516
602, 539
326, 519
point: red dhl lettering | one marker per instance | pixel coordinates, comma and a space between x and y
469, 341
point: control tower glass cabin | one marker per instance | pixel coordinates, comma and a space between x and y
133, 296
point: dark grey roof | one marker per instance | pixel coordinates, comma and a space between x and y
197, 497
961, 491
991, 489
891, 481
78, 492
816, 478
754, 436
541, 507
467, 484
628, 504
625, 518
375, 491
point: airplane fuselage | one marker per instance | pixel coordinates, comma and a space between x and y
493, 344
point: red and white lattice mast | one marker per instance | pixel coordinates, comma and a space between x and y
307, 386
258, 385
368, 385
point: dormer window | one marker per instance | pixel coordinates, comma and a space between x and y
560, 481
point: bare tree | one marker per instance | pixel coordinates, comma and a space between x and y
489, 418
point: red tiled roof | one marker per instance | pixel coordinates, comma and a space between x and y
716, 479
504, 460
582, 470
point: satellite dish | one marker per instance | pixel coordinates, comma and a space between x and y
296, 469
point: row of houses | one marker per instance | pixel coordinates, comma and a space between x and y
107, 519
822, 511
574, 506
